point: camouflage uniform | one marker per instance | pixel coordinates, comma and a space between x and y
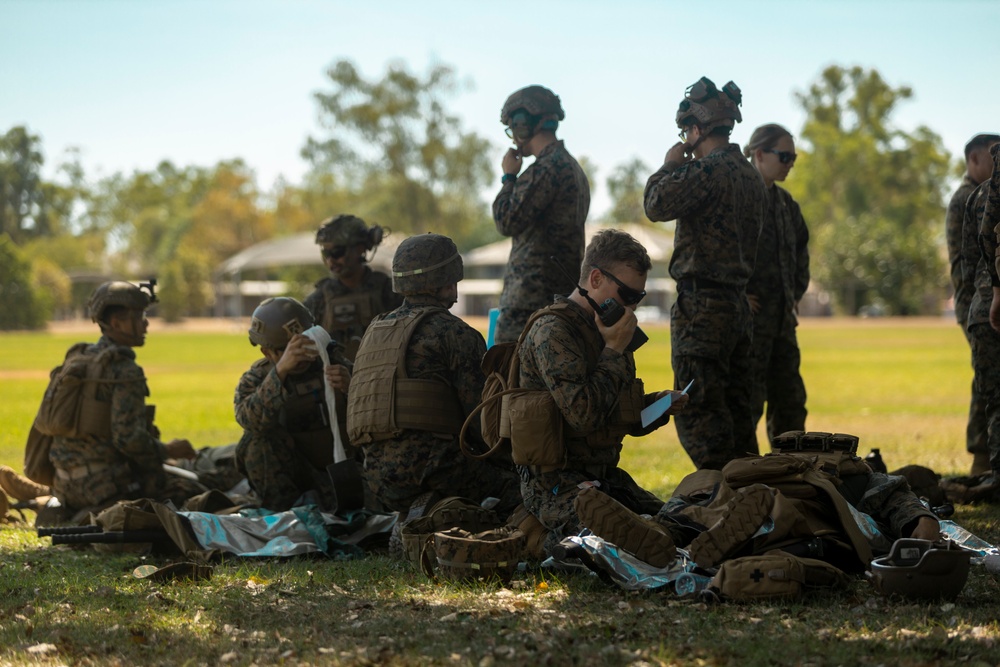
544, 211
346, 322
285, 457
402, 468
780, 278
719, 203
965, 256
985, 340
586, 380
93, 470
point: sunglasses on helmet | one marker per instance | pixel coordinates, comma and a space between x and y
784, 157
335, 252
629, 296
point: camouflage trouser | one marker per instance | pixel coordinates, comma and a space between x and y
976, 439
986, 364
775, 362
511, 323
119, 482
710, 344
279, 473
399, 471
550, 497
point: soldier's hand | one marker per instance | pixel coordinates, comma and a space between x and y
927, 529
339, 377
754, 303
678, 403
678, 153
180, 449
300, 352
511, 162
995, 310
619, 334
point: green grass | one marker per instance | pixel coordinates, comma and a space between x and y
901, 386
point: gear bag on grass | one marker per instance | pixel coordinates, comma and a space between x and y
775, 574
520, 424
451, 512
459, 555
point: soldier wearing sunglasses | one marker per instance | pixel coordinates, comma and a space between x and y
346, 301
543, 210
780, 278
718, 200
584, 373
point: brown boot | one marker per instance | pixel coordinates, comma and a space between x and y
20, 487
612, 521
744, 514
534, 532
4, 506
980, 464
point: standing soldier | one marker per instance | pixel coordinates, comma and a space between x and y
964, 255
416, 378
115, 454
780, 278
543, 209
346, 302
281, 404
718, 200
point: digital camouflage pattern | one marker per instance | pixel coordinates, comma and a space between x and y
345, 313
276, 466
399, 470
963, 256
127, 465
718, 202
585, 378
544, 212
425, 263
780, 278
985, 341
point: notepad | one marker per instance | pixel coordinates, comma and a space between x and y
657, 408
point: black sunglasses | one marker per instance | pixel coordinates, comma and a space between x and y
784, 157
334, 253
629, 296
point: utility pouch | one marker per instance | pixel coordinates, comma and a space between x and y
773, 575
536, 429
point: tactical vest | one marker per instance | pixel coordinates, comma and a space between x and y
602, 446
307, 418
383, 401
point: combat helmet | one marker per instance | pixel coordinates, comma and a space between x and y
348, 230
537, 101
710, 107
276, 320
120, 293
922, 570
425, 263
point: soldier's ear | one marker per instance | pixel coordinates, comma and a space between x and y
594, 278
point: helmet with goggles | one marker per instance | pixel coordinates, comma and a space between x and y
708, 107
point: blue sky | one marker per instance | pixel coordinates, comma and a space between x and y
130, 83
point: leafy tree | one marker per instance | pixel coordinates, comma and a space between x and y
393, 143
872, 194
21, 307
626, 184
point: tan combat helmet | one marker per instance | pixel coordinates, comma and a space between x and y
120, 293
708, 107
347, 230
536, 100
276, 320
425, 263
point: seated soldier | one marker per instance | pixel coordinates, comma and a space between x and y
823, 501
586, 366
281, 404
416, 378
103, 464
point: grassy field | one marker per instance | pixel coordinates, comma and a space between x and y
900, 385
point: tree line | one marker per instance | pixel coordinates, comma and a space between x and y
388, 150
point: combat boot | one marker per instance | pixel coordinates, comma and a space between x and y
20, 487
743, 515
610, 520
4, 506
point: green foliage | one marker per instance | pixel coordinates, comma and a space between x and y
626, 185
20, 306
393, 143
872, 194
